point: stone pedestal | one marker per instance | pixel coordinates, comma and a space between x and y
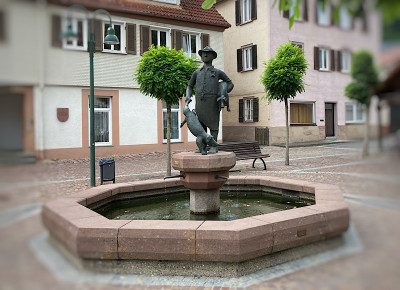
201, 177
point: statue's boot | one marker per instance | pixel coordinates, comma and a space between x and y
213, 150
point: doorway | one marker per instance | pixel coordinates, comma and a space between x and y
329, 119
11, 120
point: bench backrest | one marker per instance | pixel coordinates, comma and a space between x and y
241, 148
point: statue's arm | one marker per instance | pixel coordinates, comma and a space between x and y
190, 86
228, 81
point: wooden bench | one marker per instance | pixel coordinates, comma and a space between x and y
244, 150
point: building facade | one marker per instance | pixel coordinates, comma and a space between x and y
44, 82
322, 111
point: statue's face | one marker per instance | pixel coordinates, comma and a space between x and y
207, 57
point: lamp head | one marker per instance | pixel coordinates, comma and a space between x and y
111, 38
69, 34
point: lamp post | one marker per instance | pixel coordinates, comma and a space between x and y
110, 38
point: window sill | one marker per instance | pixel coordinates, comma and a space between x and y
324, 70
305, 124
247, 70
114, 52
355, 123
172, 141
244, 23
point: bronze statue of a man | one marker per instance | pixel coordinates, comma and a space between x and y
210, 94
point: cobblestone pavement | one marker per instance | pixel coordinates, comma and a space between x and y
371, 188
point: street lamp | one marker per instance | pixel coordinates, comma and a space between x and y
110, 38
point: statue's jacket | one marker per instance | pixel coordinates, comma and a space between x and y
206, 80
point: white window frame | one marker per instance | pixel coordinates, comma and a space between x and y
248, 109
122, 38
109, 110
291, 10
345, 60
164, 111
345, 21
247, 54
246, 10
313, 113
324, 58
198, 44
354, 108
159, 29
324, 15
74, 23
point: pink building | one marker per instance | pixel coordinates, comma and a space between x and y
257, 30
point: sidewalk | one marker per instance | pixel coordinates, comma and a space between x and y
370, 186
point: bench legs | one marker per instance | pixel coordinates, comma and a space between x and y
265, 166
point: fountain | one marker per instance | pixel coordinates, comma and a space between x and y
93, 239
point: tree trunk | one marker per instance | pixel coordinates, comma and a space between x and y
287, 132
168, 139
366, 134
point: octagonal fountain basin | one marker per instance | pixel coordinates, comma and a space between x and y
89, 235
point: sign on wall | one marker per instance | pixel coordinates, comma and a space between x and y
62, 114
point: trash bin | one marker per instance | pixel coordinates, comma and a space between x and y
107, 170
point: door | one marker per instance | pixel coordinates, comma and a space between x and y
11, 120
329, 120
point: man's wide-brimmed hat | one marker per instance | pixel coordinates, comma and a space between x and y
208, 49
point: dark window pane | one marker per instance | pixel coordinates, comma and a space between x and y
117, 29
163, 38
154, 38
193, 44
101, 129
106, 46
102, 102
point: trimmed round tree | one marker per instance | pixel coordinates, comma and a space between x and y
363, 86
283, 78
163, 74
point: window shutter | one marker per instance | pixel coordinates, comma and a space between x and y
285, 13
339, 60
177, 39
316, 57
305, 10
2, 26
332, 59
332, 12
237, 12
254, 57
56, 31
144, 39
131, 38
253, 9
241, 111
255, 110
316, 12
239, 60
205, 40
99, 35
364, 22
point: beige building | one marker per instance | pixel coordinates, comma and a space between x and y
322, 111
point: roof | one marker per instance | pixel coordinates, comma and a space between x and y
187, 11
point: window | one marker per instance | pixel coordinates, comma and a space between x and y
248, 109
79, 26
2, 26
118, 27
190, 44
323, 13
345, 61
160, 37
246, 11
247, 58
355, 113
299, 44
323, 59
292, 11
102, 120
345, 20
302, 113
175, 121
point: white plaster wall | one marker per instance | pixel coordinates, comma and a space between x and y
62, 134
19, 52
137, 118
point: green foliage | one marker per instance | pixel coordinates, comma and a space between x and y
207, 4
163, 73
365, 78
283, 76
